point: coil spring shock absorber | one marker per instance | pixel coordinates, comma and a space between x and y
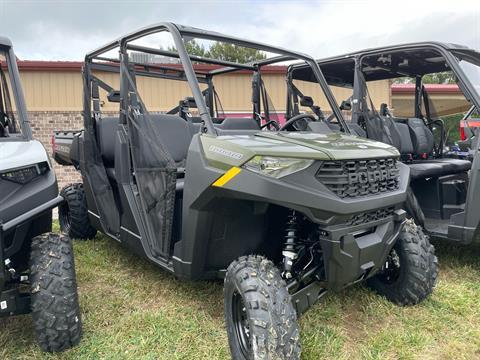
290, 248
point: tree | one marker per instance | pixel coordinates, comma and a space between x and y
445, 77
234, 53
193, 48
223, 51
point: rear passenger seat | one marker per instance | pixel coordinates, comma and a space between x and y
176, 135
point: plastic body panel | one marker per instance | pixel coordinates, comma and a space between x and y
302, 192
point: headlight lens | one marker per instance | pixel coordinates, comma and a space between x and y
26, 174
276, 167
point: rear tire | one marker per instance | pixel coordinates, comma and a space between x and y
410, 273
54, 301
260, 318
73, 213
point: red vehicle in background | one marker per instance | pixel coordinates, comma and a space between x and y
469, 124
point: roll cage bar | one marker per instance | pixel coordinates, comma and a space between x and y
449, 51
185, 71
16, 88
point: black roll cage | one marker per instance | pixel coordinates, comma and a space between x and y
14, 76
185, 73
448, 51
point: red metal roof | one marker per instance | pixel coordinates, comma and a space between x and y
38, 65
431, 88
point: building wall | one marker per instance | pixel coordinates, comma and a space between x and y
43, 124
62, 91
442, 104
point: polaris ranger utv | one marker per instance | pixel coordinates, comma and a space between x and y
37, 270
444, 197
282, 217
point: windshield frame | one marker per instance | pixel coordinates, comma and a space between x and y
472, 57
16, 96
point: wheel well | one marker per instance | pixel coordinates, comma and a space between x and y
243, 227
17, 242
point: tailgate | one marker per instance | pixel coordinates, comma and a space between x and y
65, 146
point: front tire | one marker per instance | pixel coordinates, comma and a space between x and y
73, 213
260, 318
410, 272
54, 299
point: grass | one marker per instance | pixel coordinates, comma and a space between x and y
133, 310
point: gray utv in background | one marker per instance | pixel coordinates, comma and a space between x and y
281, 216
444, 195
37, 269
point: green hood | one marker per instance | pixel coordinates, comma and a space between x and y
234, 150
336, 146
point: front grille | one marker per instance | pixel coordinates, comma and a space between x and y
354, 178
367, 217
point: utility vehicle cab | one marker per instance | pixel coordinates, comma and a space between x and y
445, 190
199, 192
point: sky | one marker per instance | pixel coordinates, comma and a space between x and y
67, 30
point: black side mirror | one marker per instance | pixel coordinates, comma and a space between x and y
190, 102
306, 101
346, 105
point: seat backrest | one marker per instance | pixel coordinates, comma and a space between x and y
406, 145
421, 135
106, 138
175, 134
239, 124
383, 129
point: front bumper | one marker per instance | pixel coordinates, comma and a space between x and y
354, 253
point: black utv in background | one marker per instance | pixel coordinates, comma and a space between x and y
37, 269
444, 194
281, 216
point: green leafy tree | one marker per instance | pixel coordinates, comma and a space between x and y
193, 48
223, 51
445, 77
234, 53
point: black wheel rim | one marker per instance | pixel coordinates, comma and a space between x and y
241, 325
392, 268
64, 217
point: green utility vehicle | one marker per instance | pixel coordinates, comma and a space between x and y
281, 216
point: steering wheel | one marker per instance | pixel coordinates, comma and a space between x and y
296, 123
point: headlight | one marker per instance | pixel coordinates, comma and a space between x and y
26, 174
276, 167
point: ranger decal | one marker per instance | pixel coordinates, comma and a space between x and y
225, 152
